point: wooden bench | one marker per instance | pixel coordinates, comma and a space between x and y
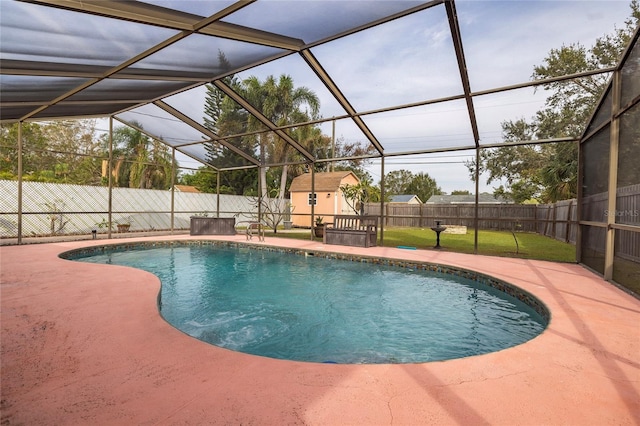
352, 230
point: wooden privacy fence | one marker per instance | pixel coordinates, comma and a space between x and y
627, 212
557, 220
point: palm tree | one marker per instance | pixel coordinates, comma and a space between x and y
283, 104
140, 162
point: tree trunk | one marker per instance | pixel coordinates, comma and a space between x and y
283, 182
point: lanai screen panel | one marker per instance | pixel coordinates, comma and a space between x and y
423, 128
162, 125
610, 180
397, 63
295, 67
50, 53
313, 21
383, 66
505, 40
56, 37
495, 109
626, 262
203, 57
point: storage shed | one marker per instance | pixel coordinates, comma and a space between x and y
329, 199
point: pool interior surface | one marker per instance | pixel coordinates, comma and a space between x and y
308, 308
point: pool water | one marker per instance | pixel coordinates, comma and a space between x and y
315, 309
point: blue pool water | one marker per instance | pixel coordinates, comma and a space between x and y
314, 309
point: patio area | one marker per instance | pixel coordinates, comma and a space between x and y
84, 344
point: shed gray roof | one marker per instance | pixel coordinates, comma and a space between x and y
403, 198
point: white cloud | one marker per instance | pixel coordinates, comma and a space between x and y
504, 40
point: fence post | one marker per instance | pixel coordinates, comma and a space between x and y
386, 214
110, 168
567, 232
555, 217
546, 221
20, 182
173, 187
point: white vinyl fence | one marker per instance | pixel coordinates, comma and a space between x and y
62, 209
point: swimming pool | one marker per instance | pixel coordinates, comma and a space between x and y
310, 308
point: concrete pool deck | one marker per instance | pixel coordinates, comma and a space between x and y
85, 344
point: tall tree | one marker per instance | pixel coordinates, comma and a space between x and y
518, 166
279, 101
401, 182
57, 151
224, 118
424, 186
282, 104
139, 161
35, 158
397, 182
549, 172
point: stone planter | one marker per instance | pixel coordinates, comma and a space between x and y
123, 227
318, 231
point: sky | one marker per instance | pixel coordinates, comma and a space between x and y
412, 59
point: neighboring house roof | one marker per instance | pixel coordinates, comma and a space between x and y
185, 188
329, 181
404, 198
467, 199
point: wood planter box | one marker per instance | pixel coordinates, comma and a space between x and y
123, 227
212, 225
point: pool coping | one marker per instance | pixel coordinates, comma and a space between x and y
80, 345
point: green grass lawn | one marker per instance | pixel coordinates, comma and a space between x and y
494, 243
